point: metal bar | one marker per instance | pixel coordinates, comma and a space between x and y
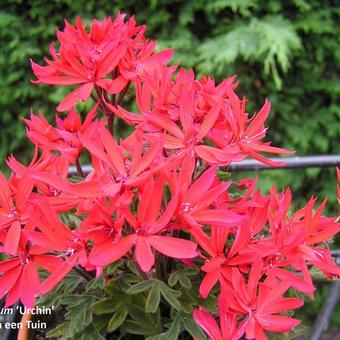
72, 170
322, 321
320, 161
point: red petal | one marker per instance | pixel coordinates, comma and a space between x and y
208, 282
174, 247
9, 264
113, 152
210, 119
48, 262
201, 186
8, 279
56, 276
13, 238
219, 217
5, 195
277, 323
282, 305
144, 254
81, 93
29, 284
113, 86
258, 120
111, 252
207, 323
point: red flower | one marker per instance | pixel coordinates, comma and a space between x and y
147, 227
129, 163
220, 259
259, 304
228, 322
15, 208
63, 139
85, 58
19, 277
197, 199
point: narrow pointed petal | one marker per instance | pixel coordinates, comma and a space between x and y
218, 217
8, 280
81, 93
259, 119
30, 284
282, 305
111, 252
114, 153
277, 323
144, 254
209, 281
207, 323
56, 276
13, 238
174, 247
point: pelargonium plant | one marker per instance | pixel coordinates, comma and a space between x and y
154, 238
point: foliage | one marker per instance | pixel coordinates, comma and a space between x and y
122, 307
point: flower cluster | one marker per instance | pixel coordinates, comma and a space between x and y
156, 193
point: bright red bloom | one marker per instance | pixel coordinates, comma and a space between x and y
259, 304
129, 163
19, 277
228, 322
189, 111
197, 198
111, 46
53, 235
85, 58
148, 229
64, 138
15, 209
220, 260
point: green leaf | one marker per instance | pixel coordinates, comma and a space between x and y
140, 287
106, 305
184, 280
89, 333
117, 319
175, 328
143, 323
179, 277
60, 330
111, 269
153, 299
134, 327
192, 328
173, 279
77, 311
95, 284
170, 295
223, 175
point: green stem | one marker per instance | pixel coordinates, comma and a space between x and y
123, 93
111, 124
83, 273
79, 169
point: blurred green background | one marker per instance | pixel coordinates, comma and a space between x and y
287, 51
